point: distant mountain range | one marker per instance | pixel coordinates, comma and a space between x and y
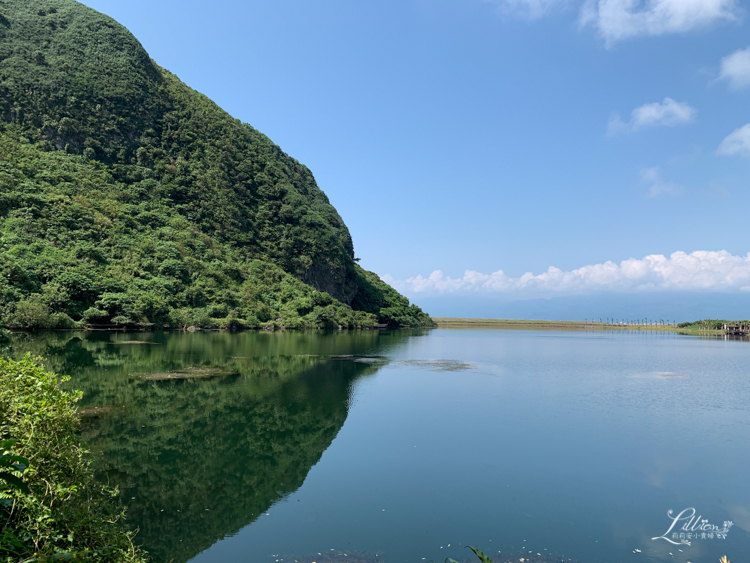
679, 307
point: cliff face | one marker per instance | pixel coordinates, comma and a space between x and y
111, 145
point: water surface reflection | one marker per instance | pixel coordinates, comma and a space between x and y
201, 455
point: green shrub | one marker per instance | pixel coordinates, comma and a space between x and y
66, 514
32, 313
94, 315
62, 320
180, 318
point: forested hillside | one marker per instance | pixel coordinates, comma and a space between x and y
127, 198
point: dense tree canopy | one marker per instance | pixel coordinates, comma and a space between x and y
128, 198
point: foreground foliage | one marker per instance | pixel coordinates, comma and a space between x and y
65, 515
126, 198
12, 468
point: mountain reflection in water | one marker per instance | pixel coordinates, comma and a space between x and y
196, 459
530, 445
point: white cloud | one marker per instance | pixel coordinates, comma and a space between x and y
621, 19
737, 142
667, 113
698, 271
736, 69
532, 9
657, 185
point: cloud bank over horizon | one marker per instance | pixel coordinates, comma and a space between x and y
617, 20
702, 270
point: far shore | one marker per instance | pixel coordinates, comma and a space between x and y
446, 322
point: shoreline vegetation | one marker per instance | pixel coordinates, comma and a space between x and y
61, 513
703, 327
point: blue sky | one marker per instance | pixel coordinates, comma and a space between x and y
503, 135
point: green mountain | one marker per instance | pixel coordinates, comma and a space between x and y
128, 198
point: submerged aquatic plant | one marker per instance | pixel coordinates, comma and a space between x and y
482, 557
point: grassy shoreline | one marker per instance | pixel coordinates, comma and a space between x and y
521, 324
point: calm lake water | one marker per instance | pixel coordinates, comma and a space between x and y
405, 446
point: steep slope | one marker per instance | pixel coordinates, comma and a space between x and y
108, 156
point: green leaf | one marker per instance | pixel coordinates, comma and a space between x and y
14, 482
482, 557
22, 464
